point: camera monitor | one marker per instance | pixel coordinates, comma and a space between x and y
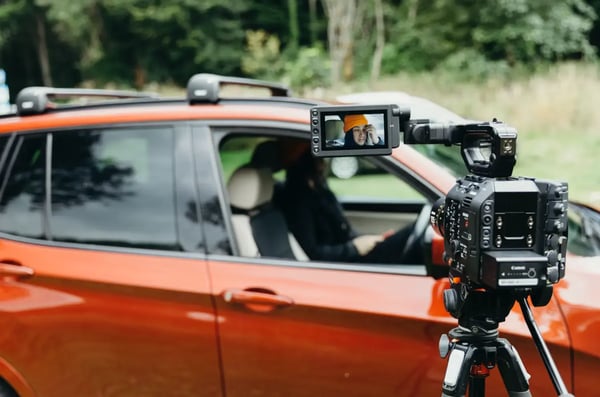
355, 130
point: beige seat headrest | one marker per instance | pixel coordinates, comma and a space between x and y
250, 187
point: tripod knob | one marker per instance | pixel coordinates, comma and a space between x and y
444, 345
451, 300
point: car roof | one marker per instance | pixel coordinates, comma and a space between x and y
40, 107
155, 112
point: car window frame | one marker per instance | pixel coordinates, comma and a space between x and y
221, 130
180, 129
216, 228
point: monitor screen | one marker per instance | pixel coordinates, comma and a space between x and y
353, 130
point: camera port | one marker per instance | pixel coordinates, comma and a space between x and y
487, 207
487, 219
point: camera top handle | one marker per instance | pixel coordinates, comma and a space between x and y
488, 148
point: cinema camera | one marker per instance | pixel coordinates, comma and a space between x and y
505, 238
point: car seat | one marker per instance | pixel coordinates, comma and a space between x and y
334, 132
259, 227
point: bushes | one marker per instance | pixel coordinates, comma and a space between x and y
301, 69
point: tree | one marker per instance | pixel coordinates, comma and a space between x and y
342, 20
15, 18
79, 24
379, 41
294, 43
170, 41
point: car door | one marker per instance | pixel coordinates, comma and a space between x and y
292, 328
104, 287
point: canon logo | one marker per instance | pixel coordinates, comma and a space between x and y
517, 268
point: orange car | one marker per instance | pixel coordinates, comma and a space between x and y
127, 268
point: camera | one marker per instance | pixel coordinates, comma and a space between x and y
500, 232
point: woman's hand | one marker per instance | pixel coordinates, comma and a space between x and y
372, 134
364, 244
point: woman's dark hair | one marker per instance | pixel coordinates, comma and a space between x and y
349, 139
305, 169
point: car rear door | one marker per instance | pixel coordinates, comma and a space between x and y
104, 287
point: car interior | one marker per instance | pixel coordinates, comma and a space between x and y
254, 185
258, 225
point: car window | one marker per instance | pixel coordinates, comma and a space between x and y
4, 139
22, 191
361, 177
584, 230
114, 187
237, 151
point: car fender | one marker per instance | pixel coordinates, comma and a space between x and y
15, 379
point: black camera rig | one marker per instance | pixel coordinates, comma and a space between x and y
505, 237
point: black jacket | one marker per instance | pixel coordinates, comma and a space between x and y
316, 219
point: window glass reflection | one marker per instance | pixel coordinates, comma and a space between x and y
114, 187
22, 190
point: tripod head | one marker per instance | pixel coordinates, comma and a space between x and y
480, 313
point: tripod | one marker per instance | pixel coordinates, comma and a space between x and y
475, 348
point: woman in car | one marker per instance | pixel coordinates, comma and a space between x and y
359, 132
316, 219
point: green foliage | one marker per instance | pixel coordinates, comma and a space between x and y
529, 31
469, 64
10, 14
488, 36
301, 68
263, 56
309, 68
173, 40
136, 42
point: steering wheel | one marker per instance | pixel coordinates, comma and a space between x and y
416, 235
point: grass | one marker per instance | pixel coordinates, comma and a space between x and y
554, 111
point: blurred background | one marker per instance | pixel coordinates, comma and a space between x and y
531, 63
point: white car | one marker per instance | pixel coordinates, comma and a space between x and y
420, 108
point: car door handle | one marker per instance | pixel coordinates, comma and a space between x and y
12, 270
257, 300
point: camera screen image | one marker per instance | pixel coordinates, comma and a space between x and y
354, 131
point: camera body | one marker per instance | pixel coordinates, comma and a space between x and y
507, 233
501, 233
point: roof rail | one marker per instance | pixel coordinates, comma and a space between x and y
204, 87
36, 100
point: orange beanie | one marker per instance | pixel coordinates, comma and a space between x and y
352, 120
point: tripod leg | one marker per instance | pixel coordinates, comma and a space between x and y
511, 368
458, 370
